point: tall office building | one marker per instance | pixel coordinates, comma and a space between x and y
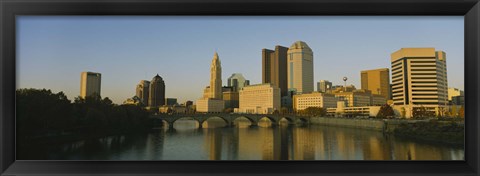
324, 86
212, 100
274, 68
300, 68
90, 84
142, 91
237, 81
419, 78
157, 92
216, 78
377, 81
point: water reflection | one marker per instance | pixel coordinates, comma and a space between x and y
215, 141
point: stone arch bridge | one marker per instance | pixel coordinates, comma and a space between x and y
230, 118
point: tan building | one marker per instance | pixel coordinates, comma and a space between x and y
355, 98
453, 92
300, 68
210, 105
314, 99
231, 99
377, 81
419, 78
274, 68
212, 100
324, 86
142, 91
90, 83
259, 99
216, 78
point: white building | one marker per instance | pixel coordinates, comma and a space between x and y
259, 99
315, 99
300, 68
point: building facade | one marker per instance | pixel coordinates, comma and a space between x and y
142, 91
419, 78
324, 86
314, 99
259, 99
237, 81
90, 83
452, 92
231, 99
216, 78
170, 101
377, 81
300, 68
157, 92
210, 105
274, 68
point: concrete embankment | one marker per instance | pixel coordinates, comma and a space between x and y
371, 124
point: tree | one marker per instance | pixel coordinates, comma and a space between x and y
461, 112
422, 113
314, 111
284, 110
386, 111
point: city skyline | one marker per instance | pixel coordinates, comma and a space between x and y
239, 55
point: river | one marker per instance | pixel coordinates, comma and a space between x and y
242, 142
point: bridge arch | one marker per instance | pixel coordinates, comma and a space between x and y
252, 121
172, 122
273, 120
213, 116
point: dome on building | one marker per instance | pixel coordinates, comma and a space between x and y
300, 45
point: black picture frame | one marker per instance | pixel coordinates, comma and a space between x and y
470, 9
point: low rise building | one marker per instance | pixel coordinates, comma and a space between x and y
210, 105
259, 99
315, 99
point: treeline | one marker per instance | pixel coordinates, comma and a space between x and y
41, 113
437, 131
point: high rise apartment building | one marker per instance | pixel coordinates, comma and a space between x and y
90, 83
300, 68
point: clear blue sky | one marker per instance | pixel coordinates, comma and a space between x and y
53, 50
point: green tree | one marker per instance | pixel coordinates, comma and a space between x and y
314, 111
386, 111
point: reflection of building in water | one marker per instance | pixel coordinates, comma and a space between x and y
213, 140
374, 148
304, 144
257, 143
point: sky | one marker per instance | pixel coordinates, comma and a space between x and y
52, 51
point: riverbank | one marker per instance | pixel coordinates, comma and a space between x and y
448, 132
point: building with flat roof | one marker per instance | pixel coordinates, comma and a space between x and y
419, 78
300, 68
452, 92
314, 99
90, 83
324, 86
259, 99
274, 68
377, 81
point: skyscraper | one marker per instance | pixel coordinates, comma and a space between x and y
300, 68
237, 81
157, 92
212, 100
216, 78
142, 91
90, 84
324, 85
419, 78
274, 68
377, 81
